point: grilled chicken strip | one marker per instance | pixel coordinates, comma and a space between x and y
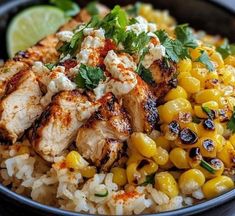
100, 138
20, 105
164, 77
141, 105
57, 127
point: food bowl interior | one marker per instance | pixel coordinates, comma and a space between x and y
201, 15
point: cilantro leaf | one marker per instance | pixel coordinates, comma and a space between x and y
226, 49
204, 59
68, 6
149, 179
50, 66
231, 122
209, 112
92, 8
89, 77
185, 36
146, 75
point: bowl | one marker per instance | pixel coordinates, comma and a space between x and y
201, 15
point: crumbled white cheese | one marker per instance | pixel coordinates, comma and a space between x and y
123, 76
188, 201
39, 68
142, 25
65, 36
100, 90
155, 53
100, 33
59, 83
86, 109
198, 194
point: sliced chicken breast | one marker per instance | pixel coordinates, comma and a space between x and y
100, 139
20, 105
58, 125
141, 105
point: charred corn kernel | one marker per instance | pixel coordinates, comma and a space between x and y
161, 156
174, 93
213, 105
227, 155
199, 111
192, 126
203, 132
88, 172
208, 147
194, 157
217, 186
218, 59
148, 169
230, 60
75, 161
191, 180
171, 109
144, 144
232, 140
221, 141
184, 66
23, 150
166, 183
190, 84
163, 142
178, 157
217, 165
207, 95
132, 174
119, 176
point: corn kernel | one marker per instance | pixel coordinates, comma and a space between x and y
149, 168
227, 155
134, 156
161, 156
175, 93
166, 183
171, 109
190, 84
217, 186
75, 161
88, 172
230, 60
206, 133
184, 66
195, 53
232, 140
207, 95
191, 180
119, 176
221, 141
144, 144
208, 147
132, 174
163, 142
184, 74
178, 157
167, 166
218, 59
191, 125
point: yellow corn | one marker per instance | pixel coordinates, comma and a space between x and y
219, 128
190, 84
206, 133
166, 183
218, 59
200, 74
171, 109
161, 156
184, 74
195, 53
217, 186
75, 161
207, 95
191, 125
184, 66
178, 157
88, 172
208, 147
227, 75
191, 180
174, 93
163, 142
221, 141
212, 75
232, 140
132, 174
227, 155
230, 60
167, 166
134, 156
144, 144
149, 168
119, 176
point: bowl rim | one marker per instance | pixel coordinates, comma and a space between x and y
190, 210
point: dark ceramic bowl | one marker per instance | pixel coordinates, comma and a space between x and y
204, 15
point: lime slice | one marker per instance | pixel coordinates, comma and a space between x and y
32, 25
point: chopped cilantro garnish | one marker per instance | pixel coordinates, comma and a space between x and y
89, 77
145, 74
204, 59
209, 112
50, 66
231, 122
207, 166
148, 180
92, 8
226, 49
68, 6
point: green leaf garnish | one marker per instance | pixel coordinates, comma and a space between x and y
231, 122
92, 8
102, 194
208, 111
204, 59
50, 66
134, 10
148, 180
207, 166
89, 77
68, 6
145, 74
226, 49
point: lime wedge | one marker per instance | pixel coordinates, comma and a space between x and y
32, 25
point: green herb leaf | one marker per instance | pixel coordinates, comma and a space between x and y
102, 194
204, 59
149, 180
92, 8
134, 10
145, 74
208, 111
68, 6
89, 77
207, 166
50, 66
185, 36
231, 122
226, 49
